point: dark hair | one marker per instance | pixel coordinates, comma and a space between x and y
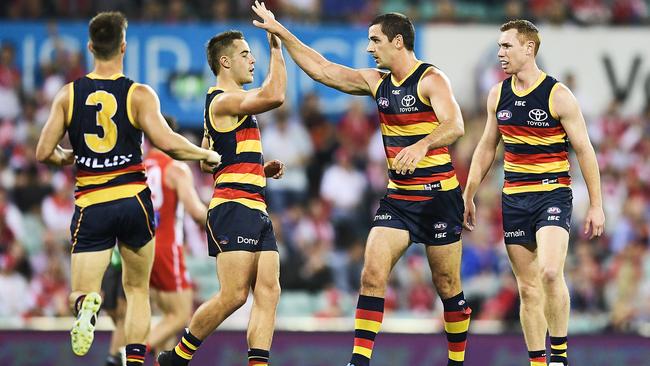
527, 31
171, 122
393, 24
217, 46
106, 31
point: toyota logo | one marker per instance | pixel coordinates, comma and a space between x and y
537, 115
408, 100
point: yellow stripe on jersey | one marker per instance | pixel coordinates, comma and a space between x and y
129, 112
423, 128
551, 109
249, 146
534, 188
109, 194
446, 185
534, 140
523, 93
420, 96
246, 178
428, 161
539, 168
374, 89
256, 205
99, 179
457, 327
366, 352
369, 325
70, 104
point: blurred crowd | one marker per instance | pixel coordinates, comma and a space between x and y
323, 207
582, 12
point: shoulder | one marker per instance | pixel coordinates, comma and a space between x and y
433, 79
561, 100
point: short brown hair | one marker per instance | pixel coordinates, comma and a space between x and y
106, 31
217, 46
393, 24
526, 29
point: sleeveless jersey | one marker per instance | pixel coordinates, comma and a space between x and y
168, 211
405, 118
105, 139
536, 155
240, 177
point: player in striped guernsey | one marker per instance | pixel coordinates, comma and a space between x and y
105, 115
536, 116
419, 119
240, 233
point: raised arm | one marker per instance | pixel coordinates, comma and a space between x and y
343, 78
268, 96
483, 157
48, 150
178, 177
146, 113
436, 89
566, 108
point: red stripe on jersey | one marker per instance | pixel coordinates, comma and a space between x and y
455, 316
369, 315
247, 134
425, 180
132, 168
456, 346
535, 158
407, 119
392, 151
561, 180
242, 168
509, 130
231, 193
409, 198
366, 343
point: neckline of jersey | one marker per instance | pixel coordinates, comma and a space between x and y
93, 75
392, 79
523, 93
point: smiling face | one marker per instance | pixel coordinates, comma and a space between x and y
241, 61
514, 51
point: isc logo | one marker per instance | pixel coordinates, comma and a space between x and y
440, 235
520, 103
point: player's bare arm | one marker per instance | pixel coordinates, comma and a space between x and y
259, 100
566, 108
146, 111
343, 78
482, 158
178, 177
435, 88
206, 167
48, 149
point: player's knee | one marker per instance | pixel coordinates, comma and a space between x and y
530, 293
236, 297
551, 276
372, 279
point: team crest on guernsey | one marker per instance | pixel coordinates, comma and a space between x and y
504, 115
382, 102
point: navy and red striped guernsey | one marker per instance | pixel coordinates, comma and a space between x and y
406, 117
106, 140
536, 155
240, 177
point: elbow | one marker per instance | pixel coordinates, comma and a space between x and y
278, 99
42, 156
458, 132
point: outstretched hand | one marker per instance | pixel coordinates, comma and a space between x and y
268, 22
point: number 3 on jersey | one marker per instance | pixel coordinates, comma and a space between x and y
104, 119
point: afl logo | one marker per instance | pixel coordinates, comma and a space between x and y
504, 115
554, 210
382, 102
537, 115
408, 100
440, 226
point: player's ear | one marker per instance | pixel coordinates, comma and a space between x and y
224, 61
90, 47
398, 41
123, 47
530, 48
